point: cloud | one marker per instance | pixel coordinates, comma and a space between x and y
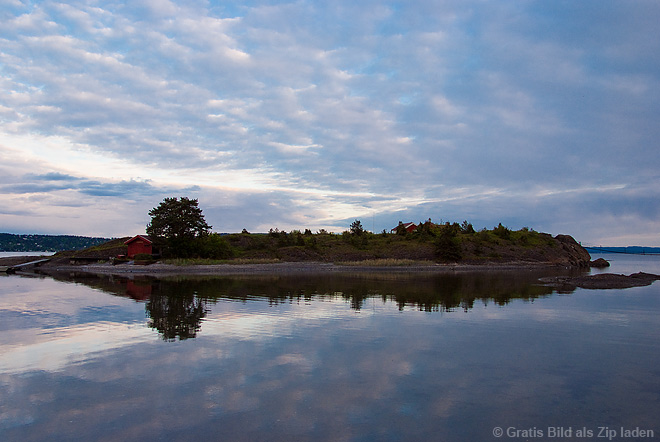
369, 107
52, 176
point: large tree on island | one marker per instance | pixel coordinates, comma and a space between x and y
176, 223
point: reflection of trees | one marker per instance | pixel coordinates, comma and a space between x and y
176, 315
449, 292
177, 306
423, 291
356, 299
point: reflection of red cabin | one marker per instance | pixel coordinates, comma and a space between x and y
140, 292
139, 244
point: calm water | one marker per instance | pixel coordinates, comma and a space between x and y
357, 358
9, 254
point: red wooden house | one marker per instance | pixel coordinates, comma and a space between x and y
409, 227
139, 244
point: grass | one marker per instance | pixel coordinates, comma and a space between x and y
204, 261
386, 262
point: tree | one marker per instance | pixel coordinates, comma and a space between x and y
448, 246
176, 222
356, 228
466, 227
401, 229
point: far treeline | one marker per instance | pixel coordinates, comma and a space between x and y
46, 243
179, 230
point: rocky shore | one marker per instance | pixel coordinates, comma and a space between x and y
159, 269
601, 281
561, 283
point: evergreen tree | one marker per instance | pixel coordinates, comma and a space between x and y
175, 223
356, 228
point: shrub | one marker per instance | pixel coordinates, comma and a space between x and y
467, 228
426, 228
143, 259
214, 246
401, 229
502, 232
296, 238
448, 247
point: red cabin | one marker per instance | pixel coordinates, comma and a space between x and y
139, 244
409, 227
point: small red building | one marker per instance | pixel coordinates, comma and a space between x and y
408, 227
139, 244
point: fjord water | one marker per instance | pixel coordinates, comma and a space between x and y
354, 357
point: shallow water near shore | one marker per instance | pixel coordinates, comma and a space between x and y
326, 357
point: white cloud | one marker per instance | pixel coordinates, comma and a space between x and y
337, 110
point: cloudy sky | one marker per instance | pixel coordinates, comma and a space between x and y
310, 114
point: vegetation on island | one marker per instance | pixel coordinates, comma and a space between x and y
181, 234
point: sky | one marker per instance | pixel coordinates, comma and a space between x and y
311, 114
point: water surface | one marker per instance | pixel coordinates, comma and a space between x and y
324, 357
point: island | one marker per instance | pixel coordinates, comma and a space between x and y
445, 248
428, 247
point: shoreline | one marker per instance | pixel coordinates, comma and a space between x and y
288, 268
158, 269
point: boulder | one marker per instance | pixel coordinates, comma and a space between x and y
599, 263
575, 254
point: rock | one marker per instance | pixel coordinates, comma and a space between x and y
576, 255
601, 281
599, 263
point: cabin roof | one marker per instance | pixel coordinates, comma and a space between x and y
142, 237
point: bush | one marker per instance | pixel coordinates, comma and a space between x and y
143, 259
502, 232
448, 247
426, 228
214, 246
467, 228
296, 238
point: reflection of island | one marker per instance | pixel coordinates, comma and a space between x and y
176, 307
